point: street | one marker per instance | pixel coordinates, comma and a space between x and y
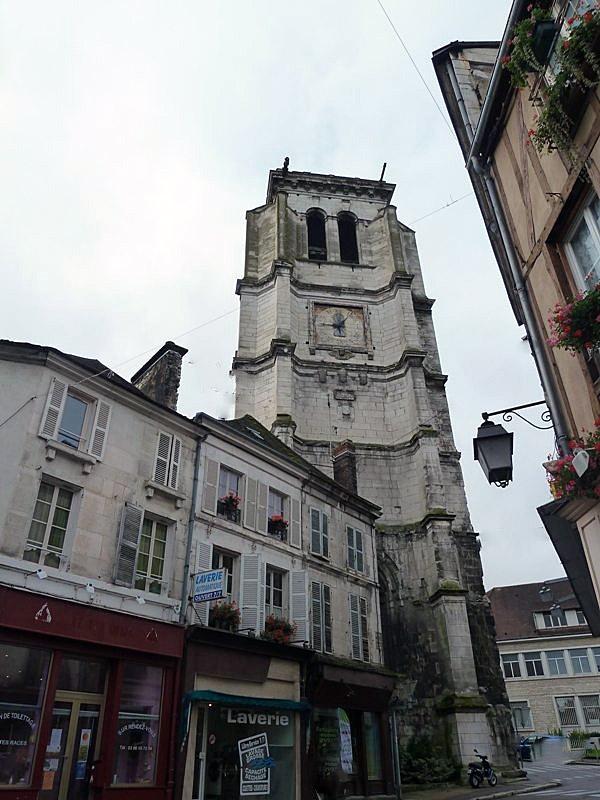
578, 780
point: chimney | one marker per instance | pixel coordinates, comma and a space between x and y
344, 465
159, 378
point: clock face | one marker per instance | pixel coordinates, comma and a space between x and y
339, 326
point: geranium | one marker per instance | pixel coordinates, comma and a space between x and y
522, 58
278, 630
562, 476
232, 500
224, 615
576, 326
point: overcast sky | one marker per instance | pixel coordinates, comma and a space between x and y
135, 135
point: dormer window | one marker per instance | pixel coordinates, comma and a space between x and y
347, 234
317, 242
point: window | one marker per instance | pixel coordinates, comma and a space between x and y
150, 563
533, 664
321, 617
319, 533
567, 713
347, 235
277, 523
317, 241
166, 464
583, 246
556, 662
222, 560
511, 666
46, 538
580, 661
358, 627
555, 618
274, 582
229, 500
143, 550
521, 715
581, 620
596, 654
355, 549
75, 420
591, 709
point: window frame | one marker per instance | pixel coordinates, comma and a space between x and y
586, 216
521, 706
128, 541
555, 659
269, 589
218, 559
578, 655
510, 659
554, 618
353, 552
319, 534
45, 552
148, 577
534, 658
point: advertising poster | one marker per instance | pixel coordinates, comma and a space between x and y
255, 773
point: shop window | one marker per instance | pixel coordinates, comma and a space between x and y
567, 713
138, 725
49, 525
373, 746
556, 662
511, 666
142, 551
533, 664
23, 677
359, 627
223, 560
521, 713
319, 533
82, 675
580, 661
321, 617
74, 419
274, 592
583, 245
335, 743
354, 540
229, 499
347, 235
167, 460
590, 706
317, 240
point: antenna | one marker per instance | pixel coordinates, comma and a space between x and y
382, 171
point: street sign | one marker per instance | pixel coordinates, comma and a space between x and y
210, 585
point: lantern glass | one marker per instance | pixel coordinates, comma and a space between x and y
493, 448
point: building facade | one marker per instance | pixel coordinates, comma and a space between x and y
337, 357
550, 660
530, 141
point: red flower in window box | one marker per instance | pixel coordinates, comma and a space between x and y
278, 526
576, 326
278, 630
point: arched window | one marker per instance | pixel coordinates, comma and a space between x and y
317, 243
347, 234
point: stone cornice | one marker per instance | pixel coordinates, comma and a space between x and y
314, 183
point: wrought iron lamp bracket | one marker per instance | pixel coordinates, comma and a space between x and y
507, 415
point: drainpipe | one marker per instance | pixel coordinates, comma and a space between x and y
190, 533
536, 342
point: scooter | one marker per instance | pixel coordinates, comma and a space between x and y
480, 771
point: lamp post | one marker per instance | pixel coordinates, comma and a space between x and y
493, 445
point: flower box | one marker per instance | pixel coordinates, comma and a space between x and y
228, 507
575, 326
562, 476
225, 616
278, 630
277, 527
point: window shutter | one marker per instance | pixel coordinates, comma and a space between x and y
250, 505
250, 591
295, 530
315, 531
355, 625
55, 403
100, 429
364, 633
299, 603
129, 536
204, 552
360, 561
327, 643
351, 552
161, 463
317, 639
174, 468
261, 508
324, 535
211, 483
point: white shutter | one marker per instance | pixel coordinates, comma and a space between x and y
100, 429
251, 591
317, 637
250, 504
261, 508
360, 556
355, 626
299, 603
161, 462
55, 403
174, 468
364, 631
327, 632
315, 531
211, 484
324, 535
295, 529
204, 552
129, 536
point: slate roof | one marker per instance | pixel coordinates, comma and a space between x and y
513, 608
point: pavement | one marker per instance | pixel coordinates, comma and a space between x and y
484, 792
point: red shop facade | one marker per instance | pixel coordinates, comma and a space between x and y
88, 701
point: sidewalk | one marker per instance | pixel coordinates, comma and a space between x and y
484, 792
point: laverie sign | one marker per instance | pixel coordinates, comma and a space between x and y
209, 585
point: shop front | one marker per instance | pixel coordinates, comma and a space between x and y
87, 701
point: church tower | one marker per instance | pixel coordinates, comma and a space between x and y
337, 356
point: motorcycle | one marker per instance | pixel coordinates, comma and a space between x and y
480, 771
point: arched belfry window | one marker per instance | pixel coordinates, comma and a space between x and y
317, 243
347, 234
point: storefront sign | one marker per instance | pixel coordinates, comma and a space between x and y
235, 717
210, 585
255, 763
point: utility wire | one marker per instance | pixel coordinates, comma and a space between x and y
418, 71
441, 208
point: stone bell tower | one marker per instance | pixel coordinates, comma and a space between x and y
337, 356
